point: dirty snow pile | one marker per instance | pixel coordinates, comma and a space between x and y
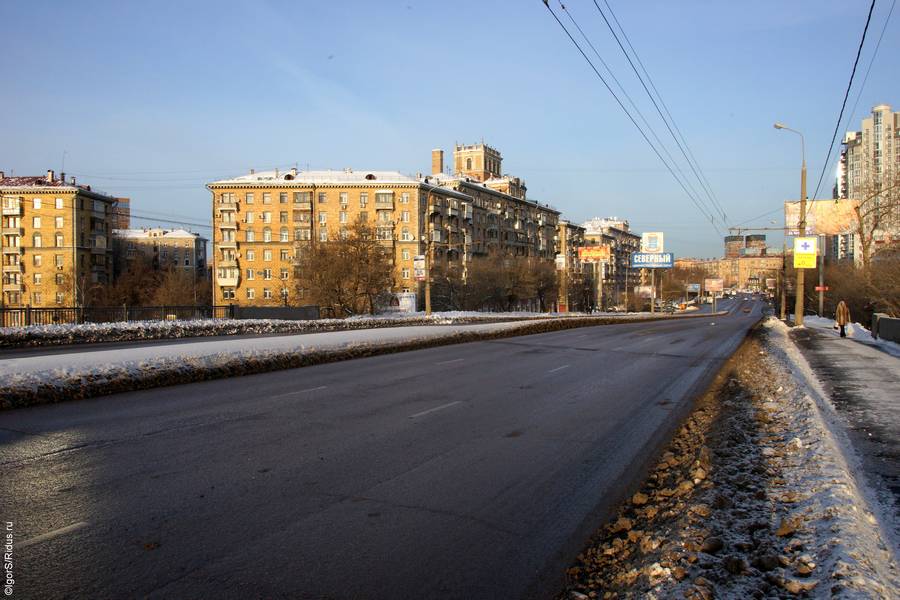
40, 335
754, 498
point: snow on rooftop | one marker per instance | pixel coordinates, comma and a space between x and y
321, 177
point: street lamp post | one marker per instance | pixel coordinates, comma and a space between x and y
801, 225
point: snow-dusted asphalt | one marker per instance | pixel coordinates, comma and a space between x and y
468, 471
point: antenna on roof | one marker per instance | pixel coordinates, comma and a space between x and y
63, 169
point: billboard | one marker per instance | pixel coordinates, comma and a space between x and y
643, 291
770, 283
652, 242
823, 217
650, 260
713, 285
593, 253
693, 287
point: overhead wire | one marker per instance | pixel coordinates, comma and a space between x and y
630, 117
656, 106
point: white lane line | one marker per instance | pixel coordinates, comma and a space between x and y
321, 387
447, 362
52, 534
431, 410
558, 369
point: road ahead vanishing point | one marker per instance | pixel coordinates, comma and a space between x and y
468, 471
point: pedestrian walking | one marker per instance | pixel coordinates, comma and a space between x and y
842, 317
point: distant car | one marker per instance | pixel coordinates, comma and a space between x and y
746, 309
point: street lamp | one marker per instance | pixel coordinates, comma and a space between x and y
801, 225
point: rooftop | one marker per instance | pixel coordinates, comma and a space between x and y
156, 232
293, 177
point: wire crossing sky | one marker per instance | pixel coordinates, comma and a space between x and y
154, 102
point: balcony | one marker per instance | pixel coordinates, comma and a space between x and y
12, 211
13, 250
227, 206
16, 268
384, 205
227, 281
438, 236
12, 287
227, 224
453, 212
227, 262
13, 231
302, 205
227, 244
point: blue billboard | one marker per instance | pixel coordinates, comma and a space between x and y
650, 260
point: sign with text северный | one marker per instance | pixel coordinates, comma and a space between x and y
713, 285
805, 252
648, 260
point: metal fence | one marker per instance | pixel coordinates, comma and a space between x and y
20, 317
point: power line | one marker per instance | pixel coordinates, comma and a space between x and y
630, 101
872, 60
837, 125
628, 114
656, 105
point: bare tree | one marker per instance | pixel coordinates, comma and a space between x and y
877, 210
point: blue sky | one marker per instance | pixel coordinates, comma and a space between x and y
152, 100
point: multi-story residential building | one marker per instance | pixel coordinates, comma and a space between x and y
570, 268
870, 161
745, 272
164, 249
122, 214
616, 233
260, 219
55, 240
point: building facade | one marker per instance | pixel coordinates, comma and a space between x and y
55, 241
618, 275
163, 249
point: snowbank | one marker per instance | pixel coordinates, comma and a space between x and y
854, 331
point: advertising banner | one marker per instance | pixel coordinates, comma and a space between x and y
693, 287
593, 253
419, 267
713, 285
823, 217
770, 283
649, 260
643, 291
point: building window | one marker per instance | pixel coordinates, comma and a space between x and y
284, 254
251, 294
37, 278
59, 203
300, 197
405, 235
59, 240
37, 242
251, 255
37, 298
363, 199
250, 274
323, 197
285, 235
267, 217
228, 293
404, 254
363, 216
405, 273
323, 218
36, 203
282, 197
323, 235
59, 222
249, 236
267, 198
248, 218
468, 164
283, 217
344, 198
404, 198
60, 297
302, 234
267, 255
405, 216
36, 222
267, 293
267, 234
60, 279
284, 274
36, 260
248, 197
342, 216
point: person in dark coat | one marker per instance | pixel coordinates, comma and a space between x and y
842, 317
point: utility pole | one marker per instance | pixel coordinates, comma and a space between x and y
821, 275
801, 225
652, 291
428, 273
784, 279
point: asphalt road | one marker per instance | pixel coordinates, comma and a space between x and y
469, 471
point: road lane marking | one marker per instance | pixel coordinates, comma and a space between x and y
321, 387
447, 362
558, 369
52, 534
436, 408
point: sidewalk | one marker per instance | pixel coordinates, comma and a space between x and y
862, 378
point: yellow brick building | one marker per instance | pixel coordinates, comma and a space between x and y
55, 241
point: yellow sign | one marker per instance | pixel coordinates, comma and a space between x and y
593, 253
805, 252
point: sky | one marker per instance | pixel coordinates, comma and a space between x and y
154, 100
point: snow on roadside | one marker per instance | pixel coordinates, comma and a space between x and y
854, 331
755, 498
